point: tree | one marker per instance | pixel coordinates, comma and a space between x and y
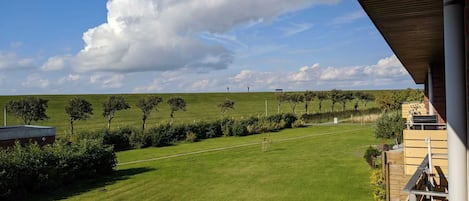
344, 98
112, 105
321, 95
364, 97
78, 109
391, 101
390, 125
309, 96
147, 105
280, 96
335, 96
175, 104
226, 105
28, 109
294, 99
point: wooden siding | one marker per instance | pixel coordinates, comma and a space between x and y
394, 175
408, 107
415, 149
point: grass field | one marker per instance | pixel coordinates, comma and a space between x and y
313, 163
200, 106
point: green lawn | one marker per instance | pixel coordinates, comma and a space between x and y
200, 106
314, 163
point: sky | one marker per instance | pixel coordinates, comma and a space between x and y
166, 46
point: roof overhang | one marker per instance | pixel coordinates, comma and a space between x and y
413, 30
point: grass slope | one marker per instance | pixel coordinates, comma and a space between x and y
314, 163
200, 106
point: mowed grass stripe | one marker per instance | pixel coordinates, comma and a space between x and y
326, 167
232, 147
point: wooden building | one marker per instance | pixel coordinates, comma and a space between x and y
431, 39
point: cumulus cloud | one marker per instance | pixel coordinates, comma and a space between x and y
161, 35
36, 81
107, 80
11, 61
69, 78
386, 71
55, 63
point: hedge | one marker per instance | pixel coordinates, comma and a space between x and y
32, 169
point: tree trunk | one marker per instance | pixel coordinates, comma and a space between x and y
306, 108
109, 122
278, 107
172, 118
320, 106
144, 123
71, 126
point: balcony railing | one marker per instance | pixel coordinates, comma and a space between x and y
425, 185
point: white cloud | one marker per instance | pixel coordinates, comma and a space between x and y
35, 81
55, 63
69, 78
349, 17
161, 35
297, 28
107, 80
11, 61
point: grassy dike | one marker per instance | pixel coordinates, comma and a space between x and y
313, 163
200, 107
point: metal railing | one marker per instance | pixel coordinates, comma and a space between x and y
421, 185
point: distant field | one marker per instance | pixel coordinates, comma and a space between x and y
314, 163
200, 106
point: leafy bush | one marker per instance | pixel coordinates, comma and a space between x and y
227, 126
139, 139
120, 139
298, 123
390, 126
377, 180
289, 118
240, 128
29, 169
214, 129
191, 137
161, 135
277, 118
370, 155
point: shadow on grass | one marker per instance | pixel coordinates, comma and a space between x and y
90, 184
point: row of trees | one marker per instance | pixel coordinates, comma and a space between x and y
335, 95
31, 109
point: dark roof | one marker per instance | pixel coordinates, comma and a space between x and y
413, 30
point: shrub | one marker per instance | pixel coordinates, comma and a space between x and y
289, 119
240, 128
214, 129
29, 169
191, 137
377, 180
139, 139
227, 126
120, 139
390, 126
298, 123
277, 118
370, 156
161, 135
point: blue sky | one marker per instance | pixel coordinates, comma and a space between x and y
159, 46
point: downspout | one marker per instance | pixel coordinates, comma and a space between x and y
455, 79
